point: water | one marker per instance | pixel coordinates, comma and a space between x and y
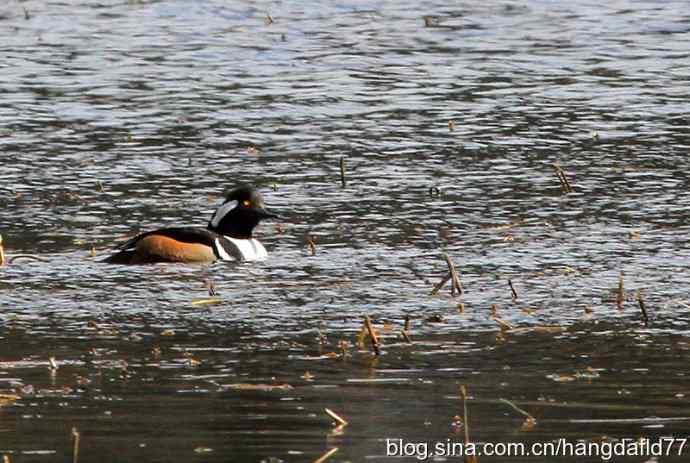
124, 116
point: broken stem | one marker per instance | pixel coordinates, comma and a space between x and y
565, 184
643, 309
517, 409
338, 419
75, 445
342, 172
620, 298
440, 284
512, 289
326, 455
372, 335
454, 276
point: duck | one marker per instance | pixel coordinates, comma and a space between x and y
227, 237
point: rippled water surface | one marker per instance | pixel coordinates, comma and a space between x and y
123, 116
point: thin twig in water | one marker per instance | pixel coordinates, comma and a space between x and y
407, 323
405, 336
342, 172
26, 256
372, 335
454, 276
75, 445
326, 455
517, 409
512, 289
530, 421
440, 284
565, 184
211, 288
505, 326
643, 309
312, 244
2, 252
620, 298
338, 419
466, 420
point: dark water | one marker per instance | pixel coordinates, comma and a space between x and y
122, 116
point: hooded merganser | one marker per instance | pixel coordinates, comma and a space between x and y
228, 236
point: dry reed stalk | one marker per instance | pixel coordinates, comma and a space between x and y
454, 277
326, 455
643, 309
312, 244
343, 182
2, 252
338, 419
565, 184
518, 409
405, 336
440, 284
372, 335
512, 289
465, 417
505, 326
620, 297
75, 445
530, 421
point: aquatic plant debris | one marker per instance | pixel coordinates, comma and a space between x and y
343, 182
258, 387
75, 445
372, 335
328, 454
338, 419
453, 276
529, 423
563, 179
643, 309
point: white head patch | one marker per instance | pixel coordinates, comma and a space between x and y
222, 212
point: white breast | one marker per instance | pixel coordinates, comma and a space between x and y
250, 249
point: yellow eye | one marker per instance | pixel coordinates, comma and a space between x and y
246, 203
